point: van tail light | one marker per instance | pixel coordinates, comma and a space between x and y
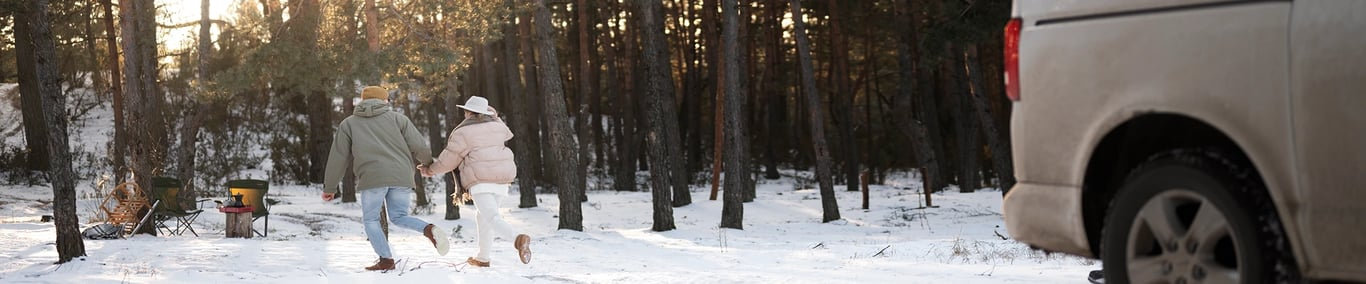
1012, 57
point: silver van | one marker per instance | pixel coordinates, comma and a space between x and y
1191, 141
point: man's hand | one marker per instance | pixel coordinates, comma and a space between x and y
494, 111
327, 196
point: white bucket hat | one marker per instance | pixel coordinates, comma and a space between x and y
477, 104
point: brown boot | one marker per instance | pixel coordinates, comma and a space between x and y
476, 262
382, 264
428, 233
441, 243
523, 245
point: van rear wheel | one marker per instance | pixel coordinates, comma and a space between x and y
1187, 217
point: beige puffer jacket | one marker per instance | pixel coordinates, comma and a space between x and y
478, 148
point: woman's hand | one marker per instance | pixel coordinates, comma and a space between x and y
426, 172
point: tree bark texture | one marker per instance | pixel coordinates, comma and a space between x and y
737, 166
70, 245
815, 114
661, 132
534, 128
562, 143
30, 95
147, 144
624, 169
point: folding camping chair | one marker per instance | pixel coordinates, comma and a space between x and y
169, 208
253, 194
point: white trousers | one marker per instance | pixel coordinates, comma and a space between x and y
489, 222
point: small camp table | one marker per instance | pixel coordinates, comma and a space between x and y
238, 224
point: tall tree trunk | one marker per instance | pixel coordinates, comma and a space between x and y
320, 133
205, 42
453, 118
662, 127
844, 99
189, 133
562, 143
435, 141
189, 137
689, 128
371, 26
737, 166
319, 106
31, 96
816, 115
115, 86
585, 82
927, 111
775, 124
687, 123
433, 108
688, 120
969, 146
146, 142
69, 242
532, 135
624, 168
914, 93
719, 135
1000, 147
708, 81
746, 91
521, 118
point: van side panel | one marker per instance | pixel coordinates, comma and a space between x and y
1328, 82
1226, 65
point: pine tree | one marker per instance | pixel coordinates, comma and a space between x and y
562, 144
815, 114
737, 164
661, 132
69, 242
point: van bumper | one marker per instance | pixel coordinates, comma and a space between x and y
1047, 217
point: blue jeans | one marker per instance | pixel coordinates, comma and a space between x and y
399, 202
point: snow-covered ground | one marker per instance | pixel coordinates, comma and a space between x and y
783, 240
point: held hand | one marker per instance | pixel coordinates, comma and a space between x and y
494, 111
424, 171
329, 196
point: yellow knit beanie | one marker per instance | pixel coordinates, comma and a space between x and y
374, 92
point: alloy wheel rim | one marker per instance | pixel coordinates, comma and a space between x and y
1180, 237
